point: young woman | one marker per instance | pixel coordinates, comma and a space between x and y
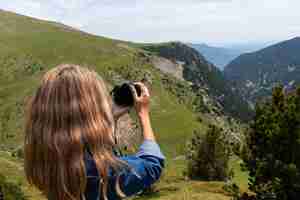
69, 140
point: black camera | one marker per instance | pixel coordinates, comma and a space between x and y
123, 96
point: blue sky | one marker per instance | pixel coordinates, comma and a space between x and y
210, 21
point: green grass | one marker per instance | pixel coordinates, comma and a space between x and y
175, 186
13, 170
240, 176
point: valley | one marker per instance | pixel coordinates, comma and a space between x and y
219, 56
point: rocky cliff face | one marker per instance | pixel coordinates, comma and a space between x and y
202, 75
195, 68
255, 74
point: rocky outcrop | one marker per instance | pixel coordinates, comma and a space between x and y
168, 66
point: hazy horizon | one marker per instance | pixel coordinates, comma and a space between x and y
220, 23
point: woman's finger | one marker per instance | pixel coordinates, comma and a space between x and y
135, 96
144, 89
147, 91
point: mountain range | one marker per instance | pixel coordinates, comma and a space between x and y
254, 74
222, 55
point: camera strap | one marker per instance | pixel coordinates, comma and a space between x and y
117, 150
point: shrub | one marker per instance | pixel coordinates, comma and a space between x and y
273, 156
18, 152
10, 191
233, 189
208, 156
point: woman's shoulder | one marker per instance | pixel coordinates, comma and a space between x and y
148, 155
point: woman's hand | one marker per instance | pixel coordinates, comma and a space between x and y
142, 102
142, 107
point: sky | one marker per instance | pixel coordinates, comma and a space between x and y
216, 22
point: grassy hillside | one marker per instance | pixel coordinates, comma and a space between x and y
30, 47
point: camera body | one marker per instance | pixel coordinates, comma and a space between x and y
123, 96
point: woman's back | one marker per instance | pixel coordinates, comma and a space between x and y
69, 139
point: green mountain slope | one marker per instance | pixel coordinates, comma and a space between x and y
31, 47
255, 74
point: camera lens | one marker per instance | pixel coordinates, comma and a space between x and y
123, 96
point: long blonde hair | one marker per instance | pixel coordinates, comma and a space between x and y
70, 108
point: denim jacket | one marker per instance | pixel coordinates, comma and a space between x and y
145, 168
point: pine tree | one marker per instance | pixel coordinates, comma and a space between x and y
273, 156
208, 155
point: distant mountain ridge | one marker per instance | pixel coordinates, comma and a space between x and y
255, 74
219, 56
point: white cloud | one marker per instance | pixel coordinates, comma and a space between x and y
214, 21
